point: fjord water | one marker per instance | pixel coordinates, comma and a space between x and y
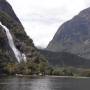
44, 83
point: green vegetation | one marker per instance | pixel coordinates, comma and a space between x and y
28, 68
42, 68
69, 71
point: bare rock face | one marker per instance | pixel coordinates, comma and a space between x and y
74, 36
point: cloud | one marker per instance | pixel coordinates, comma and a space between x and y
42, 18
87, 3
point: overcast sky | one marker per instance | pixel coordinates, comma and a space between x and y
42, 18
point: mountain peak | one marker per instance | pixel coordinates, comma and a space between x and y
87, 10
7, 8
74, 36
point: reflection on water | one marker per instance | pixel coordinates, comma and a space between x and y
44, 83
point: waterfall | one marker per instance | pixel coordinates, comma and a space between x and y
19, 56
24, 57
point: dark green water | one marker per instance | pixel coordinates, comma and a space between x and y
44, 83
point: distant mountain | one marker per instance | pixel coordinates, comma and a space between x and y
73, 36
64, 59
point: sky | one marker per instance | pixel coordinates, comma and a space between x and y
42, 18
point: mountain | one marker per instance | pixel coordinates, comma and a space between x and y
63, 59
73, 36
11, 21
15, 45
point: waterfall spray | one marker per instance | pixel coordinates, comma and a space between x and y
19, 56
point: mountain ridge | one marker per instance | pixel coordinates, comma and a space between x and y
64, 59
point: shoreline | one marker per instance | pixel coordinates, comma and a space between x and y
70, 77
53, 76
75, 77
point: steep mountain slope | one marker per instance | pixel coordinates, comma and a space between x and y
74, 36
21, 40
10, 20
64, 59
6, 7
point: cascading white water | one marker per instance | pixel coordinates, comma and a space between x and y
20, 56
24, 57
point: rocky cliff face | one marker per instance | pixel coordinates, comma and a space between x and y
74, 36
